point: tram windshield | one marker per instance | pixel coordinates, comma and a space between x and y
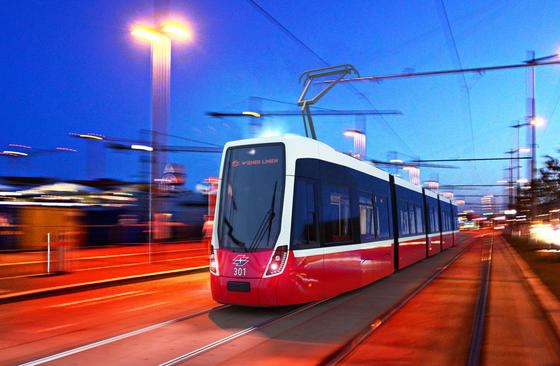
252, 192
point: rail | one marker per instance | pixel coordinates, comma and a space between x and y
477, 334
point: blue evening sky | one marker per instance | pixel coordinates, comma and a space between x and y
73, 66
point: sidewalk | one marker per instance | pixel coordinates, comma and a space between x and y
24, 276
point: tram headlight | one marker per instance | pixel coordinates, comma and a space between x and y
277, 261
213, 262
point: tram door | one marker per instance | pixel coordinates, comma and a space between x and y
305, 239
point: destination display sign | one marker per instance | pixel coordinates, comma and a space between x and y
254, 162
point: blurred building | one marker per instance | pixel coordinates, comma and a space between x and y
91, 216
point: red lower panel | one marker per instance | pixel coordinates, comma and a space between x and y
342, 272
377, 263
447, 240
434, 245
302, 280
305, 279
411, 251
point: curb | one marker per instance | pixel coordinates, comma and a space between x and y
549, 303
67, 289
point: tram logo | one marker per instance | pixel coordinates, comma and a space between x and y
241, 260
235, 163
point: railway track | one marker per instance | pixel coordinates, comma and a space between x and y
482, 297
119, 337
187, 356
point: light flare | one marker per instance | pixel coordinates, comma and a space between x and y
93, 137
141, 147
271, 132
252, 114
177, 30
14, 153
146, 33
545, 233
537, 121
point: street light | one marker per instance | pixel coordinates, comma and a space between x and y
177, 30
160, 41
432, 185
534, 121
252, 114
537, 121
142, 147
13, 153
147, 33
359, 143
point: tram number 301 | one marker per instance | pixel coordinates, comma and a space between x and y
239, 271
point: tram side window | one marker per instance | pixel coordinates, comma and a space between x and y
433, 220
367, 222
445, 220
454, 223
434, 223
304, 234
412, 221
419, 221
336, 214
403, 218
381, 217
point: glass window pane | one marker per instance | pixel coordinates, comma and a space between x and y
251, 197
403, 216
412, 219
304, 228
419, 221
382, 217
366, 217
336, 214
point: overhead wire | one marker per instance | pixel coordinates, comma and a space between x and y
326, 63
549, 119
458, 64
457, 60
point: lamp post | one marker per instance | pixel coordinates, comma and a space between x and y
359, 143
532, 119
432, 185
511, 180
160, 41
533, 122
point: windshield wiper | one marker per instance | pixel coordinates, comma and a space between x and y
233, 238
268, 217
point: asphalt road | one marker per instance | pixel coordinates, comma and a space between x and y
38, 328
157, 321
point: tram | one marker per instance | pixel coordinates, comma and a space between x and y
297, 221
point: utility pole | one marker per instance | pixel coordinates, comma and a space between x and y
531, 114
510, 182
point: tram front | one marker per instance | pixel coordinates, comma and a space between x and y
245, 259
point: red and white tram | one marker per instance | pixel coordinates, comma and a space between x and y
297, 221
